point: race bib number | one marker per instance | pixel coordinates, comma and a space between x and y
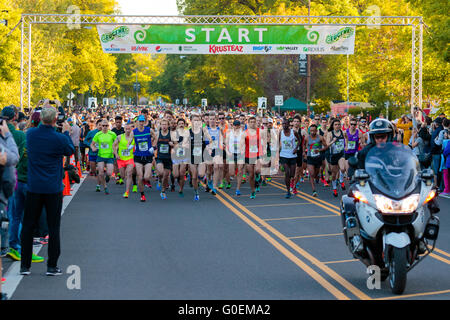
143, 146
197, 152
104, 146
180, 152
96, 145
351, 145
315, 151
164, 148
215, 144
125, 153
339, 146
253, 149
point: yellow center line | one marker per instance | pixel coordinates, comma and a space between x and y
280, 186
313, 200
340, 261
278, 204
414, 295
305, 217
316, 236
346, 284
440, 251
322, 281
310, 196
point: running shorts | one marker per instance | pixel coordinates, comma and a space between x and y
144, 160
288, 161
124, 163
314, 161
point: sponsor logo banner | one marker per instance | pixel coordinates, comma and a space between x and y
227, 39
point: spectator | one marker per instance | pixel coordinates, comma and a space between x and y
417, 143
436, 150
446, 155
75, 132
9, 157
405, 124
16, 201
46, 149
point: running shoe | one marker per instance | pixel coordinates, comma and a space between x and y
148, 184
253, 195
172, 188
302, 180
196, 197
134, 190
244, 178
106, 191
143, 198
258, 189
335, 193
213, 191
181, 194
294, 191
97, 188
163, 195
228, 186
107, 178
343, 185
118, 181
288, 195
314, 194
53, 271
3, 280
44, 240
15, 255
125, 195
444, 195
3, 252
238, 193
158, 186
269, 179
221, 185
24, 271
121, 181
264, 183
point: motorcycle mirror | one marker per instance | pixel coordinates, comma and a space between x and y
353, 162
361, 174
425, 160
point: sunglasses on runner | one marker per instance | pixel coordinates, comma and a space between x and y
353, 124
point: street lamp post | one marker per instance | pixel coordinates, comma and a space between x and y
308, 70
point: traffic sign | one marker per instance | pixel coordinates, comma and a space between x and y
70, 96
262, 103
177, 101
204, 103
137, 86
302, 65
279, 100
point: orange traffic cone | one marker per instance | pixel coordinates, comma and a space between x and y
66, 191
80, 173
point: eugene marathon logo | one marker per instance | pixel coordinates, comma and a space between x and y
343, 33
118, 32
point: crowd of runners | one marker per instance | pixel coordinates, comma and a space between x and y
208, 150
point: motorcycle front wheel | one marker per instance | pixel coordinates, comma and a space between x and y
398, 270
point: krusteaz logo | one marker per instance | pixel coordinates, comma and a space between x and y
343, 33
119, 32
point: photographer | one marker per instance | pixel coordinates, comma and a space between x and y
9, 157
46, 148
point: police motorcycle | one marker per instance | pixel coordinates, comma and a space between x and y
389, 215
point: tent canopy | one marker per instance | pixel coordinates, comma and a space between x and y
292, 104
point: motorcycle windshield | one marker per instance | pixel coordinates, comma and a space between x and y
393, 169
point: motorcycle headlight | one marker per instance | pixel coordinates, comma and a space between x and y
407, 205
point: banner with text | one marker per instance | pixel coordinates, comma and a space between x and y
227, 39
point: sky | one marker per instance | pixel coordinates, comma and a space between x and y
148, 7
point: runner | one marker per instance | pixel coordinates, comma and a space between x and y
315, 145
253, 149
143, 154
198, 136
223, 125
234, 146
290, 142
353, 140
324, 172
123, 151
103, 142
215, 162
92, 155
336, 142
180, 159
163, 160
300, 162
118, 130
